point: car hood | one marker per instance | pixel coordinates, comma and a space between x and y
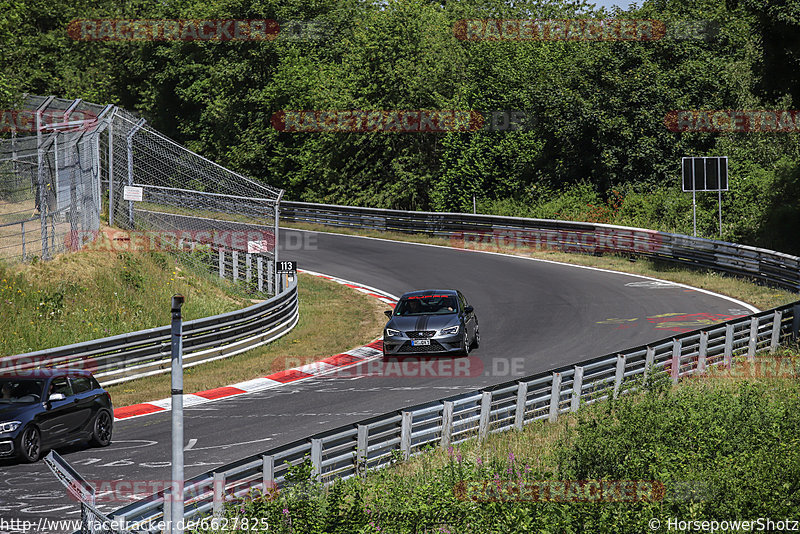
423, 322
12, 412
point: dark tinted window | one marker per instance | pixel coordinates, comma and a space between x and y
95, 383
20, 391
81, 384
60, 385
427, 304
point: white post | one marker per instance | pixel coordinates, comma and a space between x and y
218, 504
177, 415
675, 366
649, 360
361, 449
751, 346
728, 354
777, 317
268, 473
703, 352
405, 434
619, 375
486, 408
522, 397
555, 397
316, 457
447, 423
577, 388
235, 262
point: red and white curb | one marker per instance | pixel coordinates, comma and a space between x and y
329, 365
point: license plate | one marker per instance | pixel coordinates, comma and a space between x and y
418, 342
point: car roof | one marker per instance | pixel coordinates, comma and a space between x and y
424, 292
44, 373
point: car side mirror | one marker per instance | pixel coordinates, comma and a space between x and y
388, 313
56, 397
469, 309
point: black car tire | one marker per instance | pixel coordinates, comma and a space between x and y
102, 429
30, 445
466, 344
477, 341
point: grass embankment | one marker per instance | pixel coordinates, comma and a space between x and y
722, 446
763, 297
333, 319
88, 295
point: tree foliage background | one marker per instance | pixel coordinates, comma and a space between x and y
599, 149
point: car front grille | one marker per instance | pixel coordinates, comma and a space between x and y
6, 448
421, 334
435, 346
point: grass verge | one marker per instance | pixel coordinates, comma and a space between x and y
333, 318
718, 447
761, 296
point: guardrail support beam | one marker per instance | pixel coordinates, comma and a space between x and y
619, 374
753, 339
577, 388
405, 434
219, 494
775, 339
362, 443
486, 408
728, 354
447, 423
555, 397
675, 365
268, 484
702, 353
316, 458
519, 413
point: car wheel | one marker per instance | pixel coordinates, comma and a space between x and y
466, 344
477, 341
103, 426
30, 445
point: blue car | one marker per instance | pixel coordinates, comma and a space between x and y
434, 321
45, 409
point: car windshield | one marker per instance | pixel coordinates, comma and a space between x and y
20, 390
427, 305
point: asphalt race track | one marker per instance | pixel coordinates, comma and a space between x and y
533, 316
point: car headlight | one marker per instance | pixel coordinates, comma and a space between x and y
9, 426
391, 332
450, 331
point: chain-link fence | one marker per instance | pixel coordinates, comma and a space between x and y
80, 156
49, 176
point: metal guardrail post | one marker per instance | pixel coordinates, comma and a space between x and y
221, 254
777, 317
555, 397
268, 473
219, 494
519, 413
796, 322
362, 444
23, 241
753, 339
486, 408
649, 360
577, 388
702, 352
316, 458
447, 423
619, 374
167, 507
405, 434
235, 263
270, 278
249, 267
675, 365
728, 353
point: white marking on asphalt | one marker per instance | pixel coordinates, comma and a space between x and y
191, 444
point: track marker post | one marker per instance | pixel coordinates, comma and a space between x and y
176, 495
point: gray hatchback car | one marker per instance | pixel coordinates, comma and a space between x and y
433, 321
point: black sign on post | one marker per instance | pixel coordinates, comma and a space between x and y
705, 174
287, 267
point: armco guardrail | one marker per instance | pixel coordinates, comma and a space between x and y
352, 449
147, 352
764, 265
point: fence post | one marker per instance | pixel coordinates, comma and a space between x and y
221, 263
219, 494
796, 322
753, 340
268, 473
167, 510
649, 360
405, 434
619, 375
235, 263
362, 444
522, 396
260, 268
23, 241
555, 397
249, 263
111, 172
702, 353
675, 366
486, 407
316, 457
270, 278
447, 423
777, 317
577, 388
728, 354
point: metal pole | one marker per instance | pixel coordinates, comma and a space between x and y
719, 203
474, 205
176, 509
130, 167
275, 245
111, 172
694, 211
